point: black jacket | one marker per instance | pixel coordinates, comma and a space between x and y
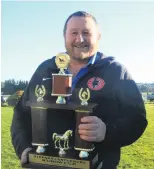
120, 106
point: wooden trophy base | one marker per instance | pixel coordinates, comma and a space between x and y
70, 161
51, 159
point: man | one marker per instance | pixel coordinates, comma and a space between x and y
120, 118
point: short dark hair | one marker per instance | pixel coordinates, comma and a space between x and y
80, 14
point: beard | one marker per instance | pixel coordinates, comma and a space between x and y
82, 52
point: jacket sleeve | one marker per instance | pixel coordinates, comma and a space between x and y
21, 130
131, 122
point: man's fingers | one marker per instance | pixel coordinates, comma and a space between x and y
24, 156
88, 126
87, 138
87, 133
24, 159
89, 119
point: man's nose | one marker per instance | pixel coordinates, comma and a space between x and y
80, 38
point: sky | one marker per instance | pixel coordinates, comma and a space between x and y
32, 32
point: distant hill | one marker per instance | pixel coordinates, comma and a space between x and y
146, 87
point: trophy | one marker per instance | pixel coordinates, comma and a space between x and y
66, 150
62, 60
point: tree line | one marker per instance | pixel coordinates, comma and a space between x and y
8, 87
11, 86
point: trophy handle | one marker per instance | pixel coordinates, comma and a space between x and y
81, 145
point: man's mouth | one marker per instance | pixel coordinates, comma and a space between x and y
76, 46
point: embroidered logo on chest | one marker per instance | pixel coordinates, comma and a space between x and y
95, 83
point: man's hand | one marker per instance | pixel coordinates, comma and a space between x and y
24, 156
92, 129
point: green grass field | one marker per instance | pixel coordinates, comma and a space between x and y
139, 155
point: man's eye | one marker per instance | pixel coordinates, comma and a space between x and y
86, 33
74, 33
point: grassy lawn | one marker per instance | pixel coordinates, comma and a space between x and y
139, 155
9, 159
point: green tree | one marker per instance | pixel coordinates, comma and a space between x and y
11, 86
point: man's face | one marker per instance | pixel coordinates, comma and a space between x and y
81, 37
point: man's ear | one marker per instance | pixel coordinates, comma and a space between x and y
99, 35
